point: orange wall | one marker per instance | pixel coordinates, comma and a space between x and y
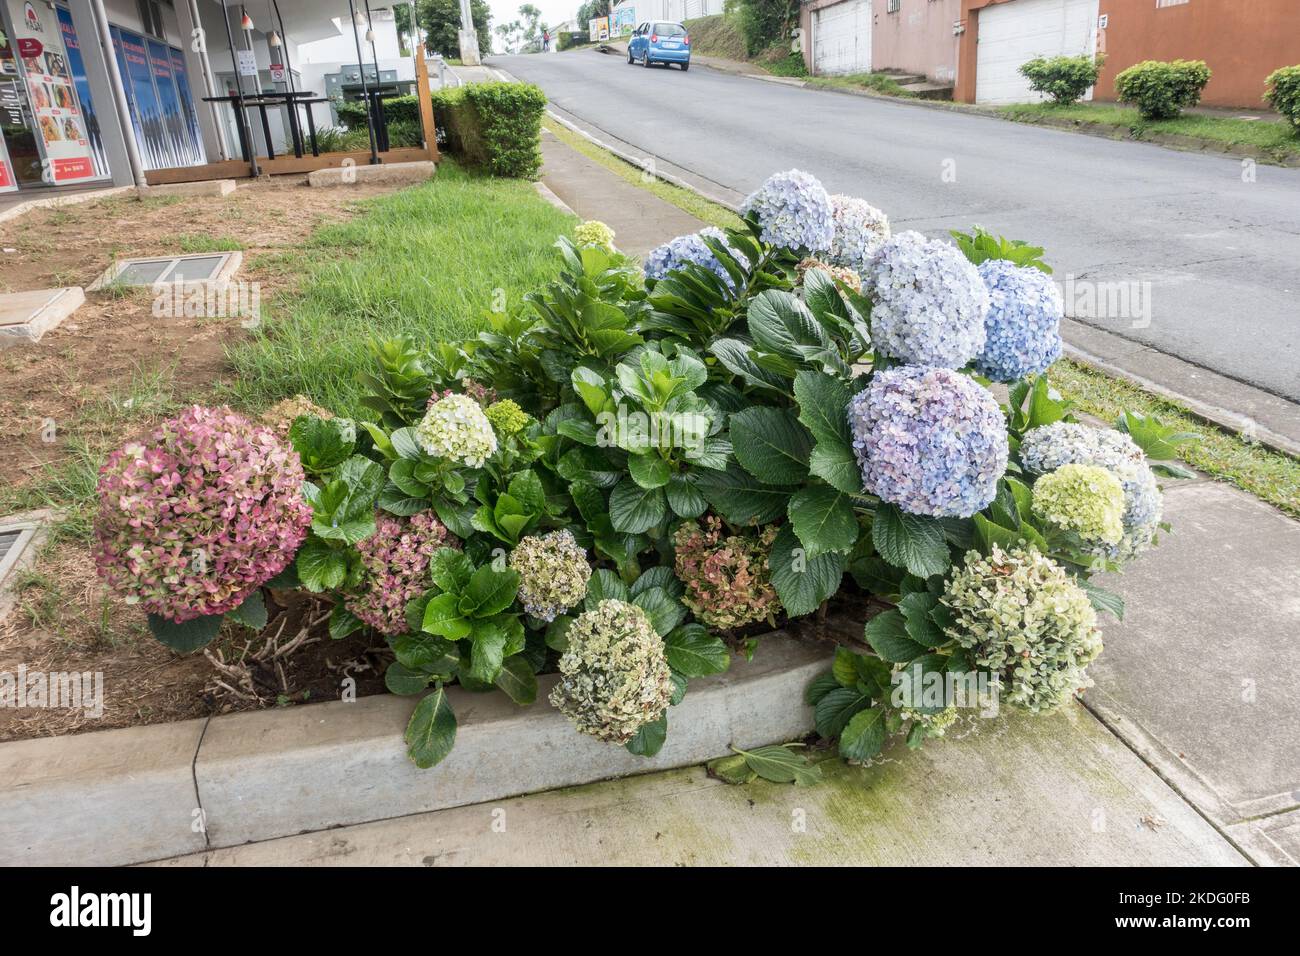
1242, 41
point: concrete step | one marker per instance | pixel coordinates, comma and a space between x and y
928, 91
901, 78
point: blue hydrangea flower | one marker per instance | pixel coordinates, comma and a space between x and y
675, 253
793, 212
860, 229
1048, 447
1023, 325
929, 440
928, 302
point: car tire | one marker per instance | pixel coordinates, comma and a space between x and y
685, 67
646, 61
629, 57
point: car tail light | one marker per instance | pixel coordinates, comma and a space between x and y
654, 38
686, 40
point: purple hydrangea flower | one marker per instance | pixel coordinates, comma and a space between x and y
675, 253
1023, 325
929, 440
860, 229
928, 302
793, 212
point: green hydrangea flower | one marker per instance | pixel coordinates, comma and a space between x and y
594, 233
507, 417
553, 573
1083, 498
1026, 620
614, 677
455, 427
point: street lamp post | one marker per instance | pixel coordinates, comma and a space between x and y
469, 52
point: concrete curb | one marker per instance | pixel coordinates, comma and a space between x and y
548, 194
127, 796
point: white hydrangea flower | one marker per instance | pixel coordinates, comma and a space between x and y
455, 428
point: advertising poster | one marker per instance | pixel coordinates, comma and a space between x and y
599, 28
53, 98
72, 47
624, 21
187, 103
133, 60
8, 181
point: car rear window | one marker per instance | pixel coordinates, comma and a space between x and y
669, 30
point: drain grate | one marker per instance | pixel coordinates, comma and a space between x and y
17, 535
205, 267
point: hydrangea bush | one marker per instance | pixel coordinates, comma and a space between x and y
665, 463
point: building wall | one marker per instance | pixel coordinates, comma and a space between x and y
916, 39
1242, 41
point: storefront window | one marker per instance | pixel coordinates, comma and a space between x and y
44, 126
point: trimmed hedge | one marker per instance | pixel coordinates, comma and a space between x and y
568, 39
1284, 93
496, 126
1064, 78
1162, 90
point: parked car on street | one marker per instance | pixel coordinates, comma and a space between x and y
660, 42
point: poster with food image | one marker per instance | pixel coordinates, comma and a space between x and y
8, 179
38, 41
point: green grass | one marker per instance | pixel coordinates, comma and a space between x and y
68, 485
427, 261
198, 242
716, 36
699, 207
876, 82
1277, 139
1267, 474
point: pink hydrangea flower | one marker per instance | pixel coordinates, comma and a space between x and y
194, 520
396, 559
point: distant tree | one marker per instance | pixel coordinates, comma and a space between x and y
512, 36
440, 20
592, 9
405, 32
531, 19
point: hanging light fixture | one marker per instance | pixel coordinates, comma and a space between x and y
359, 19
273, 39
370, 35
246, 22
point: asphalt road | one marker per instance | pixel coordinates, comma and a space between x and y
1208, 257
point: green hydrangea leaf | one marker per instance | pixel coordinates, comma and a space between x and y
431, 733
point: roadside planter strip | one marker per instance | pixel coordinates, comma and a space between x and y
638, 473
119, 797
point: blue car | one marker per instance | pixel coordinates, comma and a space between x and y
657, 42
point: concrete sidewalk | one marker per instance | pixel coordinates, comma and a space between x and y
1051, 791
640, 219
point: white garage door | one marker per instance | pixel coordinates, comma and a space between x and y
1012, 33
842, 38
